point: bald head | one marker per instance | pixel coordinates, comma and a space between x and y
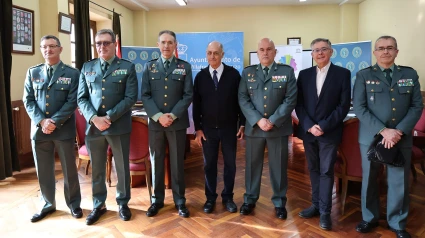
215, 54
266, 51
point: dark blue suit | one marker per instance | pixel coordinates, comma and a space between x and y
327, 110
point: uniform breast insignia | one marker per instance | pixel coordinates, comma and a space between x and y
405, 83
89, 73
62, 80
251, 80
279, 78
181, 66
153, 69
179, 71
367, 81
119, 72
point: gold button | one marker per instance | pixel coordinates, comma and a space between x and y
280, 86
166, 79
392, 89
48, 88
103, 106
152, 78
166, 87
47, 104
265, 114
165, 95
61, 88
265, 105
103, 97
47, 96
103, 88
408, 91
265, 97
393, 99
372, 90
120, 81
47, 113
393, 119
103, 80
393, 108
250, 87
265, 88
165, 104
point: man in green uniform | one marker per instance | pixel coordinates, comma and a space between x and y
107, 91
50, 98
267, 96
387, 100
167, 91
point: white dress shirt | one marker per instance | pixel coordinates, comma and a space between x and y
219, 71
321, 76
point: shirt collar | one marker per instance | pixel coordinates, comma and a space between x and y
269, 66
219, 69
324, 69
109, 61
55, 66
391, 67
164, 59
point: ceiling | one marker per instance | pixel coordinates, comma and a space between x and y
147, 5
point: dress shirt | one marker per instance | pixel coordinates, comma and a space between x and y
321, 76
219, 71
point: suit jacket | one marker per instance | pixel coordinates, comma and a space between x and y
112, 94
56, 99
378, 104
273, 97
168, 91
217, 108
329, 109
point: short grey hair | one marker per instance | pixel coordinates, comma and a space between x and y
327, 41
47, 37
386, 38
107, 31
169, 33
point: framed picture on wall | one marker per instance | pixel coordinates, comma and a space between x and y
22, 30
65, 23
293, 41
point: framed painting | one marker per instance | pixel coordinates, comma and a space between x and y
22, 30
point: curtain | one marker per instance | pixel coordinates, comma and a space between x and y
116, 28
82, 33
9, 161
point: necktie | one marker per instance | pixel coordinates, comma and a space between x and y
215, 79
266, 72
50, 73
105, 67
167, 65
388, 75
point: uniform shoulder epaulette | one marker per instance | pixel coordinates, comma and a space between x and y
182, 60
407, 67
38, 65
366, 68
153, 60
254, 65
93, 59
70, 66
125, 60
281, 64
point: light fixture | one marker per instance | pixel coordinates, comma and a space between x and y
303, 0
182, 2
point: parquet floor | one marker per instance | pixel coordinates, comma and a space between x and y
19, 199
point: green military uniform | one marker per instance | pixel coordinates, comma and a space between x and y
272, 97
379, 104
110, 94
167, 91
55, 99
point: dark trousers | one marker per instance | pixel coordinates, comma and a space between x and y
210, 147
321, 159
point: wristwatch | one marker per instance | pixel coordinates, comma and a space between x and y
107, 117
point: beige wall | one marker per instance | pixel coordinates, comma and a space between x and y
403, 21
276, 22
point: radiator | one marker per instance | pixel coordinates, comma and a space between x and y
21, 127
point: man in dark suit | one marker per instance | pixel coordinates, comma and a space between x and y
50, 98
167, 91
387, 100
107, 91
324, 94
267, 96
216, 114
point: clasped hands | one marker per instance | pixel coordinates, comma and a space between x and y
265, 124
391, 137
166, 120
47, 125
316, 130
101, 123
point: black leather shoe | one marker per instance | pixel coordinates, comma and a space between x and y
209, 206
400, 233
154, 208
365, 227
77, 212
281, 212
125, 213
95, 215
39, 216
309, 212
230, 206
325, 222
183, 211
247, 208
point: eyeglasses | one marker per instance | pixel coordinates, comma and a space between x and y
104, 43
216, 54
44, 47
323, 50
382, 49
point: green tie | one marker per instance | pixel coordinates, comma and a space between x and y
167, 65
388, 75
105, 67
50, 73
266, 71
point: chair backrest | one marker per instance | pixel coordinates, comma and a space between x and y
139, 139
349, 148
420, 125
81, 124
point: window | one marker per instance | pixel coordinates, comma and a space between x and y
92, 34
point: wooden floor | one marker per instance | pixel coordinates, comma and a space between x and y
19, 200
